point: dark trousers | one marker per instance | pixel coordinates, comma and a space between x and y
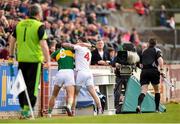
121, 83
29, 71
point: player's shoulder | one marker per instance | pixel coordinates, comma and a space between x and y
157, 49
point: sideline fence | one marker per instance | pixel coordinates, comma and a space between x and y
9, 109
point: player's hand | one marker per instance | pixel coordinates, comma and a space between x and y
47, 64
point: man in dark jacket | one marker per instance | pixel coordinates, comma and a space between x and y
99, 55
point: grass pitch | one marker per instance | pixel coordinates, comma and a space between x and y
171, 116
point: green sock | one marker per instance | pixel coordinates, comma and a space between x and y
49, 111
26, 108
25, 111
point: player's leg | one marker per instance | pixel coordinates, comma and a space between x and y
157, 96
155, 80
53, 98
70, 99
144, 88
30, 80
77, 90
93, 93
78, 84
89, 82
69, 84
57, 86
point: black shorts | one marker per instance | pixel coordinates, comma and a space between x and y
150, 75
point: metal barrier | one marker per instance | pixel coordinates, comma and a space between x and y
103, 77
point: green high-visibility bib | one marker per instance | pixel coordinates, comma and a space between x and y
28, 46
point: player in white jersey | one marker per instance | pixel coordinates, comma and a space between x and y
84, 74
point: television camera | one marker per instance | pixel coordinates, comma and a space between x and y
126, 62
125, 65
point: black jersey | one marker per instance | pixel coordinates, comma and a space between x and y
149, 57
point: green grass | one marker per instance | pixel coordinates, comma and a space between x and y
171, 116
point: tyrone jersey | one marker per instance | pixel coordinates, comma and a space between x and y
82, 57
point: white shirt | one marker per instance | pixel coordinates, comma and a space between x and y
101, 54
82, 57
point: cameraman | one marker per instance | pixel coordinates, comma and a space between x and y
125, 63
152, 68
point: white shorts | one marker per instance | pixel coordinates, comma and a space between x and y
84, 78
64, 77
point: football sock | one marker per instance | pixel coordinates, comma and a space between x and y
140, 99
157, 100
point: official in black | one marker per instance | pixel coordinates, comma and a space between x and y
152, 68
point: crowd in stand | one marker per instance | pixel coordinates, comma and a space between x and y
164, 21
88, 21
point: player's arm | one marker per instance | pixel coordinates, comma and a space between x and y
85, 44
45, 49
68, 45
161, 63
53, 55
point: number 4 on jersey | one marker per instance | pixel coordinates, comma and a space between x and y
87, 56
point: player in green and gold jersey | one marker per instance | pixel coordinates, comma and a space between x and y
64, 76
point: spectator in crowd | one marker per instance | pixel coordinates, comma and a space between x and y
111, 5
90, 7
118, 4
99, 55
32, 47
91, 33
12, 13
171, 23
74, 14
52, 46
146, 4
3, 19
70, 23
119, 42
23, 9
9, 5
102, 13
75, 4
140, 48
134, 38
126, 36
152, 68
112, 54
139, 7
3, 34
163, 16
4, 52
91, 18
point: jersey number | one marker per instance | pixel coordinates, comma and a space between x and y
87, 56
25, 34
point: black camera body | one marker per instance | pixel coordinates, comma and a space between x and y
126, 62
